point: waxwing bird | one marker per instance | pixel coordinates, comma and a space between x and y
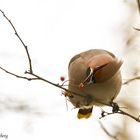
95, 77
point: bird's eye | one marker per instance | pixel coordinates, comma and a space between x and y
89, 76
88, 71
92, 75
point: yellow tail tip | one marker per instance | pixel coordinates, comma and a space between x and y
86, 116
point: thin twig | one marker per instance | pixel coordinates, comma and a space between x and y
119, 111
138, 3
25, 46
18, 76
132, 79
107, 132
56, 85
137, 29
129, 115
103, 114
37, 77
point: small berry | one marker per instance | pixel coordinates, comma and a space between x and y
81, 85
62, 78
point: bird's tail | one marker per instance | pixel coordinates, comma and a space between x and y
84, 113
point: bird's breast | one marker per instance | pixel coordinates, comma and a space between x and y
98, 93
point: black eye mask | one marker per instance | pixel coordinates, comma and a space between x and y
91, 77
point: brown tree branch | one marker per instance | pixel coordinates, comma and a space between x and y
131, 80
104, 114
18, 76
56, 85
116, 109
25, 46
107, 132
37, 77
129, 115
30, 62
138, 5
135, 28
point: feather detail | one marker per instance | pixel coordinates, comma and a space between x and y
84, 113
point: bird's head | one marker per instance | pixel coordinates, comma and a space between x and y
101, 68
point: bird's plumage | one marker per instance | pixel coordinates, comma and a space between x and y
107, 78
